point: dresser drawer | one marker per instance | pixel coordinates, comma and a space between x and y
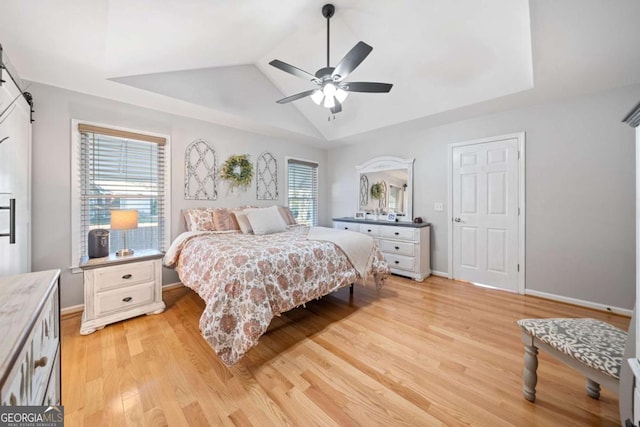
45, 341
52, 394
125, 298
396, 247
346, 226
372, 230
400, 262
123, 275
17, 389
403, 233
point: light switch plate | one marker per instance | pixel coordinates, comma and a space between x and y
438, 206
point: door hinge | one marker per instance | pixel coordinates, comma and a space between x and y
518, 153
518, 267
518, 211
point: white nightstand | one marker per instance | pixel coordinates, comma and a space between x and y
118, 288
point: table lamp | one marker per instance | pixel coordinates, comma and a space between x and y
124, 220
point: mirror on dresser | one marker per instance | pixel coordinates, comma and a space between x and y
385, 184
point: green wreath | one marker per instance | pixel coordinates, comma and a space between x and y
238, 170
377, 191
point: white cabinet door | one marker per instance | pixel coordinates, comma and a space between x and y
15, 173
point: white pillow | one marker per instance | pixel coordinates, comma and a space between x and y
243, 222
266, 220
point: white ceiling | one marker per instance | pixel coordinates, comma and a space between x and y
209, 59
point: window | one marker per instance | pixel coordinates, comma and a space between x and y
116, 169
302, 190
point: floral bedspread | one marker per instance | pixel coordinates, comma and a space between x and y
246, 280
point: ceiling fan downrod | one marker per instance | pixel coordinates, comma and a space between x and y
327, 11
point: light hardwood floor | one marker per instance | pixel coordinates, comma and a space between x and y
433, 353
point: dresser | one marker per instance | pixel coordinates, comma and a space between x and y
118, 288
405, 245
30, 345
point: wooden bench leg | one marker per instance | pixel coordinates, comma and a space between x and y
529, 375
593, 389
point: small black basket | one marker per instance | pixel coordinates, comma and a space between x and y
98, 245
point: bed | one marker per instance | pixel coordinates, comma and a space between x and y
245, 280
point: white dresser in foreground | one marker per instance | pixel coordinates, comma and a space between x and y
405, 245
30, 343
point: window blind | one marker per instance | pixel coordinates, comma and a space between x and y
122, 170
302, 179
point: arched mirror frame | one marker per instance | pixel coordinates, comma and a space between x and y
384, 163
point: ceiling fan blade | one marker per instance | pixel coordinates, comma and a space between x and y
351, 60
296, 96
370, 87
337, 108
293, 70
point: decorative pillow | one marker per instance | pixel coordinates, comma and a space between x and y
243, 222
223, 220
266, 220
199, 219
286, 214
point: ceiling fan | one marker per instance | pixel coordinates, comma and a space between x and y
333, 90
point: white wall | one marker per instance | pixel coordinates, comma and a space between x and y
51, 204
579, 188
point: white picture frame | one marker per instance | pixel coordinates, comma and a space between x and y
392, 217
359, 215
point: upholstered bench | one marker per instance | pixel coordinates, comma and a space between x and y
592, 347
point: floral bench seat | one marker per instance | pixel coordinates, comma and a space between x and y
592, 347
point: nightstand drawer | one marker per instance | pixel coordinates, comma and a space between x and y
403, 233
124, 275
400, 262
124, 299
395, 247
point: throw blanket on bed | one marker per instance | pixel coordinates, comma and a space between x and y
357, 247
246, 280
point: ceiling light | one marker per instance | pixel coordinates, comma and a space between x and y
329, 102
317, 96
341, 95
329, 90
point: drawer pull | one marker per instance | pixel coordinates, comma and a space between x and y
127, 276
397, 262
397, 248
127, 299
369, 231
40, 363
346, 228
396, 233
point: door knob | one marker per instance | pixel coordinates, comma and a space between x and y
457, 220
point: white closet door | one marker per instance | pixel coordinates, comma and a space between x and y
15, 175
485, 211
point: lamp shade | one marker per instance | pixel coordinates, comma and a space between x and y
124, 219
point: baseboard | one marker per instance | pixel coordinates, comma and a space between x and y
439, 274
71, 311
172, 286
582, 303
75, 309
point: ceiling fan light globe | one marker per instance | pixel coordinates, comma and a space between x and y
317, 96
341, 95
329, 90
329, 102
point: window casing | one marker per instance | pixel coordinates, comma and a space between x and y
302, 190
119, 169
